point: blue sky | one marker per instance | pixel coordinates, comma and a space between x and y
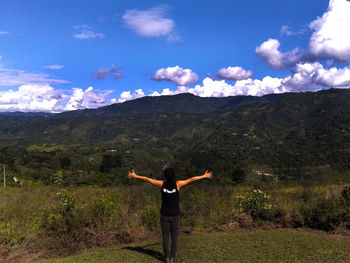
58, 55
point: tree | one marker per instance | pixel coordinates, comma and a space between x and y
58, 178
65, 162
238, 175
109, 162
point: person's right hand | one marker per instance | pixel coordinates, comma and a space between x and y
208, 174
132, 174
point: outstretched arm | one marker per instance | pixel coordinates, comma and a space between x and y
195, 178
158, 183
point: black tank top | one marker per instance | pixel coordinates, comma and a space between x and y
170, 200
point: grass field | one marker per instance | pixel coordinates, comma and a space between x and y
257, 246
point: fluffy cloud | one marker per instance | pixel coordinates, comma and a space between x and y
101, 73
234, 73
304, 77
87, 99
333, 77
151, 23
330, 39
177, 75
54, 67
165, 92
269, 51
219, 88
313, 76
11, 77
126, 95
29, 98
39, 97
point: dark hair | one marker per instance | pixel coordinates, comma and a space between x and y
169, 175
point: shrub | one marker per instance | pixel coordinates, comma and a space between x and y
150, 216
238, 175
66, 201
257, 204
325, 214
345, 194
60, 219
57, 178
100, 210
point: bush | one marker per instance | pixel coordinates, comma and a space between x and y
150, 216
60, 219
345, 194
100, 210
238, 175
325, 214
257, 204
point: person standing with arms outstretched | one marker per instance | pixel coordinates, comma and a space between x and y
170, 211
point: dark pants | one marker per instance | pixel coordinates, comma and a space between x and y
170, 225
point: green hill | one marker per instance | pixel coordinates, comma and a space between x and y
298, 136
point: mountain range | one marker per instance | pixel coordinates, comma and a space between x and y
293, 135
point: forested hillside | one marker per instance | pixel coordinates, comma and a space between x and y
286, 137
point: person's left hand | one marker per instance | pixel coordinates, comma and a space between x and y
208, 174
132, 174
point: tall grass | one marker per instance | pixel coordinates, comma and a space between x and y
67, 220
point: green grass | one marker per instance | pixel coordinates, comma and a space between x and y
258, 246
45, 147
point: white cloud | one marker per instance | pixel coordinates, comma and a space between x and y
151, 23
54, 67
269, 51
11, 77
330, 39
333, 77
285, 30
88, 34
165, 92
3, 33
39, 97
87, 99
29, 98
219, 88
126, 95
313, 76
304, 77
177, 75
234, 73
